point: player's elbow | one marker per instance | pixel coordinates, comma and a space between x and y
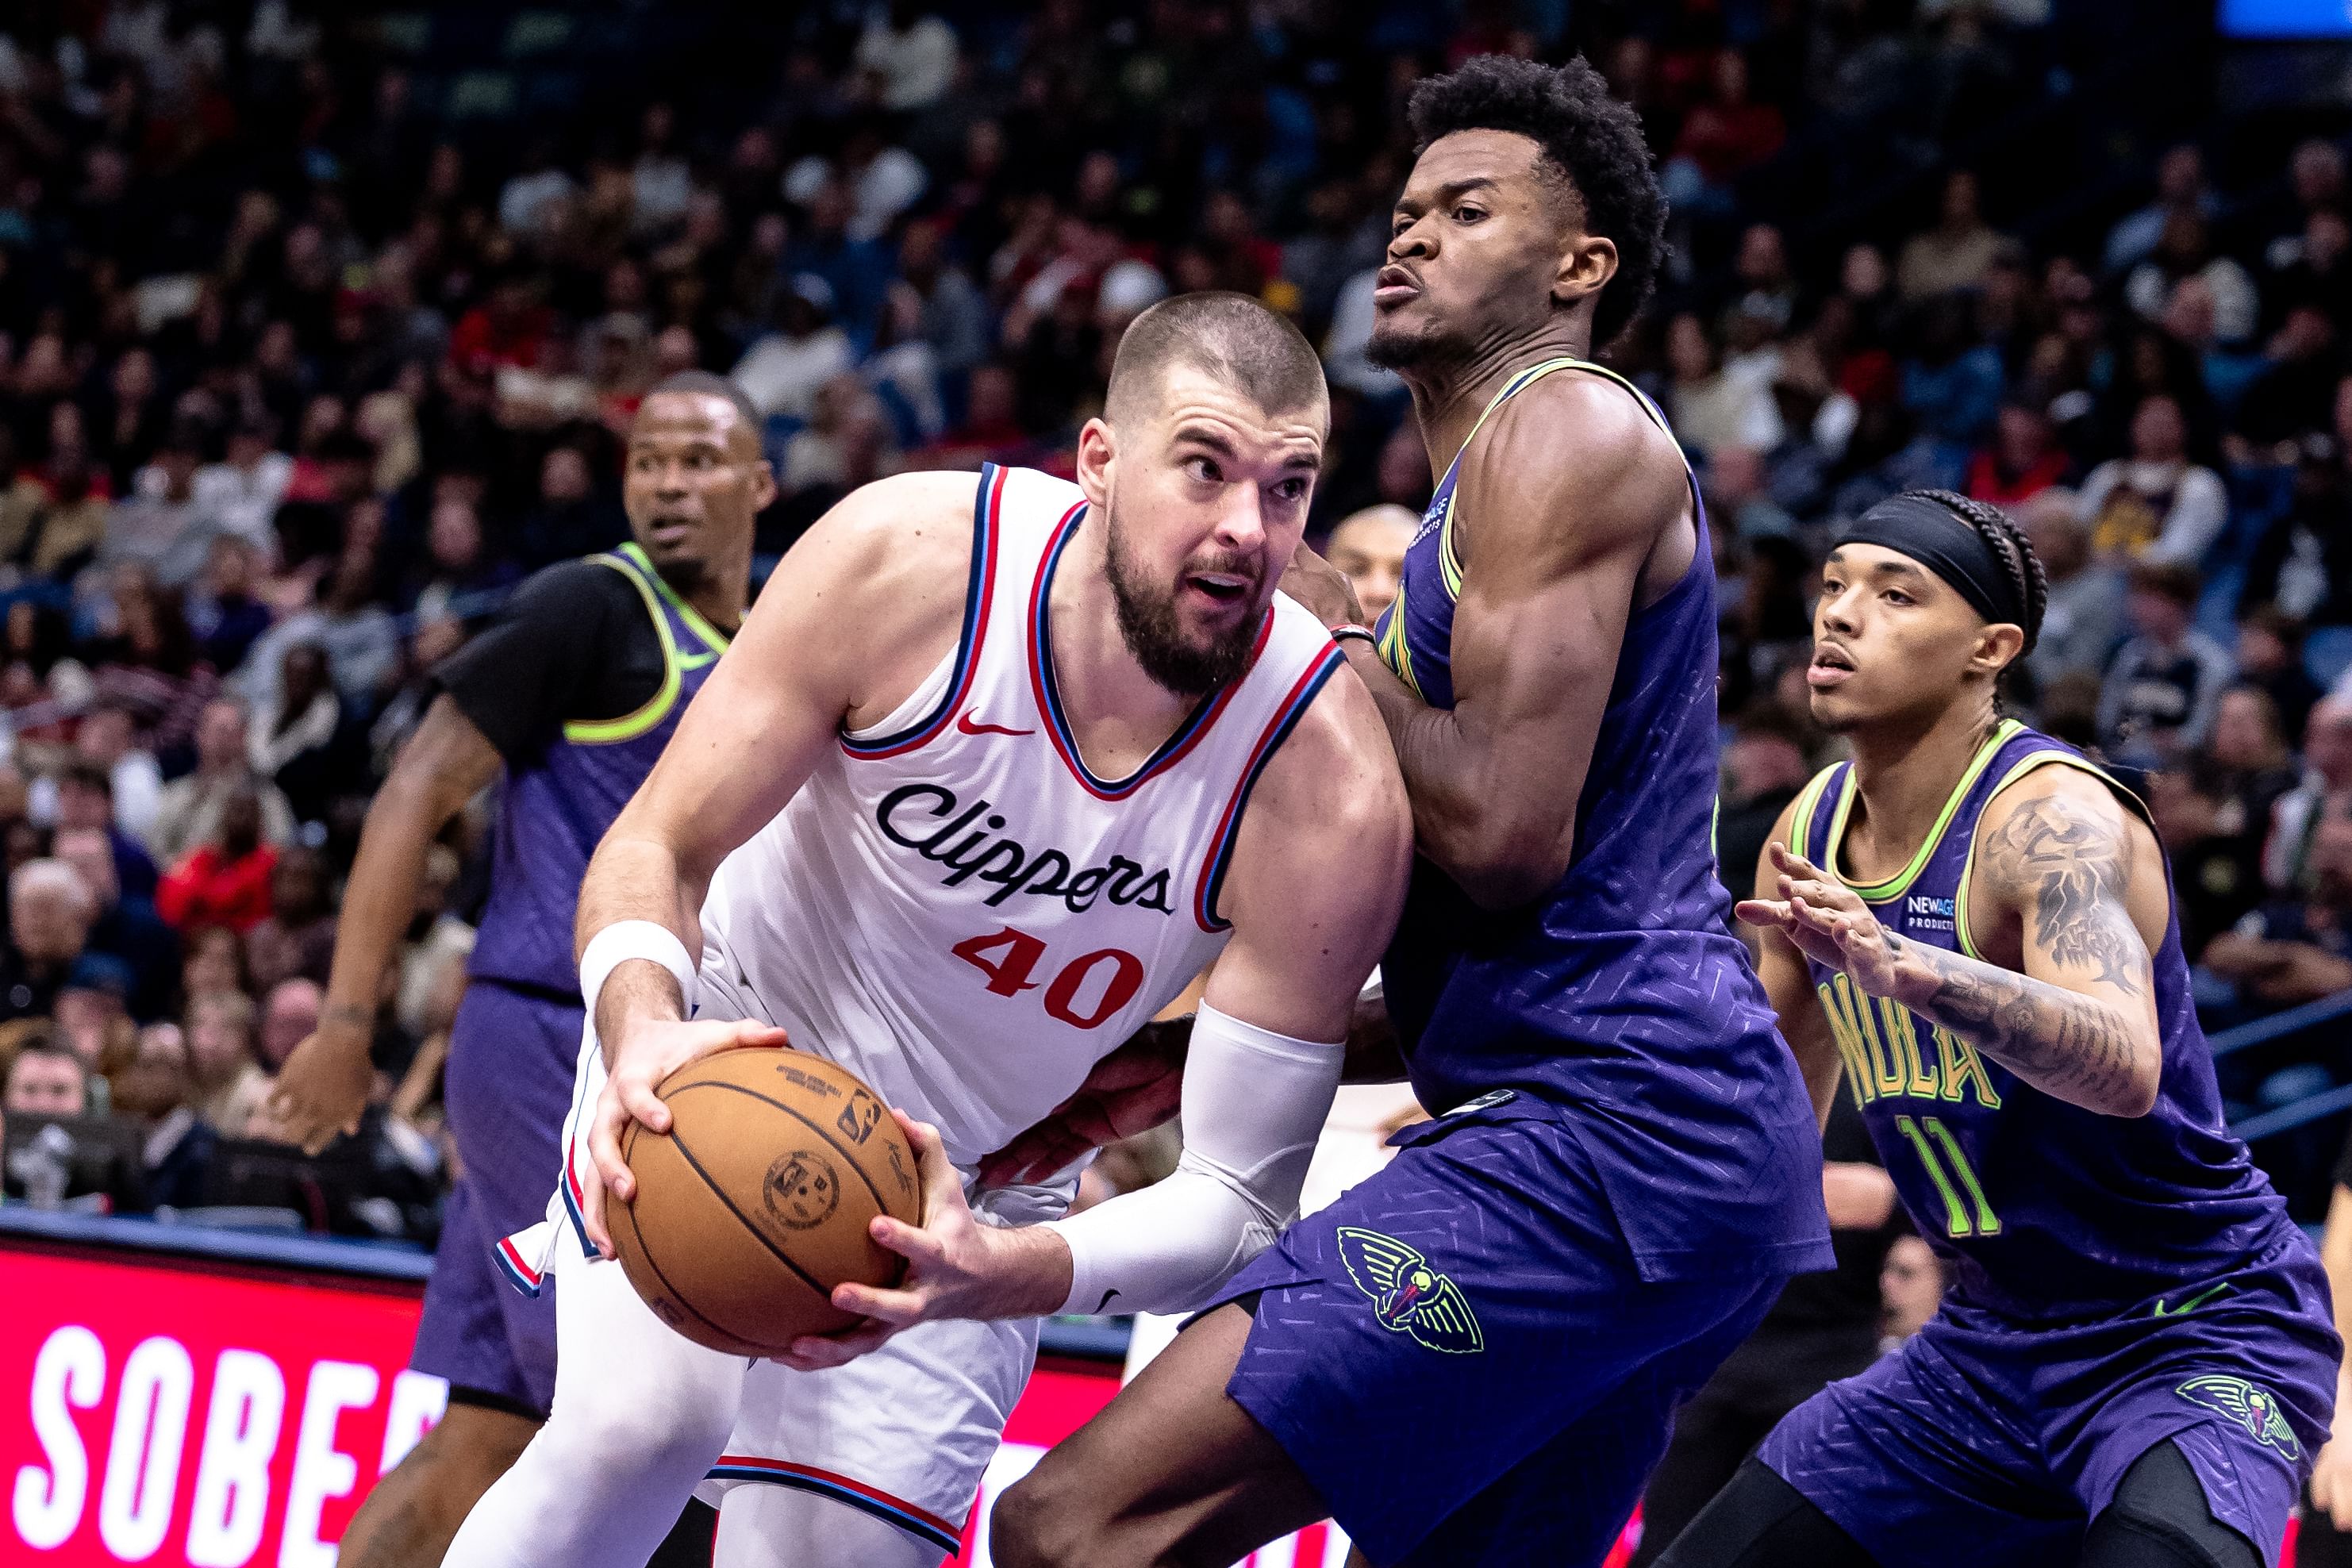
2136, 1095
1502, 864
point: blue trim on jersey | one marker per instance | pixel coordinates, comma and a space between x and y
905, 1519
515, 1273
1049, 696
1221, 849
985, 505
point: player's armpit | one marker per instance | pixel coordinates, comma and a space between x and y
1559, 533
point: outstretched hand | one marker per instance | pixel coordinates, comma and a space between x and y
1322, 587
1827, 921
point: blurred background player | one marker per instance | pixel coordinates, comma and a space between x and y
1623, 1158
1974, 926
573, 692
1368, 548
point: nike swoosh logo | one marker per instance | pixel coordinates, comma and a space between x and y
2189, 1305
1108, 1296
971, 727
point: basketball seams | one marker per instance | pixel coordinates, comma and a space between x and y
881, 1204
646, 1253
686, 1153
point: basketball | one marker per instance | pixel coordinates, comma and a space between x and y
755, 1204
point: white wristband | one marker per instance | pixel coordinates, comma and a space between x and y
625, 940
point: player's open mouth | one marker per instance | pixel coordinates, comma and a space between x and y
1219, 587
1831, 667
1393, 287
670, 530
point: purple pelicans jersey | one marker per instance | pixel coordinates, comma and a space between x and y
553, 810
2116, 1282
1621, 992
589, 636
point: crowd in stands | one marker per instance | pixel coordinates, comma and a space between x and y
304, 362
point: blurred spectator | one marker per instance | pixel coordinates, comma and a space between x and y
226, 1082
2022, 461
2301, 564
1729, 133
224, 614
2155, 505
1912, 1285
288, 1016
2084, 619
2179, 188
2297, 949
105, 743
2184, 253
2270, 659
224, 880
297, 938
1368, 547
44, 1079
157, 1089
292, 741
241, 493
1710, 407
1763, 768
2323, 794
782, 369
909, 54
126, 929
49, 914
2167, 680
188, 813
1958, 252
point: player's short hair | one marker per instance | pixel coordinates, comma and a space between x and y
707, 383
1226, 335
1589, 140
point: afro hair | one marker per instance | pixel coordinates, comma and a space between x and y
1593, 139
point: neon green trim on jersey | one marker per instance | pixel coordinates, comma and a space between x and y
1893, 887
629, 726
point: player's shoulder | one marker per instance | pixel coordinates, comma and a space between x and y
2058, 813
1577, 437
890, 535
580, 596
1334, 774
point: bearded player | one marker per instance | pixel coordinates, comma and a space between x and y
1473, 1356
1972, 924
995, 770
569, 695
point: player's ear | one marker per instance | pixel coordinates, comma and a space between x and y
1998, 646
1096, 451
763, 486
1585, 268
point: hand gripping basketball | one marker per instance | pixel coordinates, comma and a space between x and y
956, 1267
648, 1053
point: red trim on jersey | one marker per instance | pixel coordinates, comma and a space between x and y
1294, 703
970, 639
1044, 687
783, 1469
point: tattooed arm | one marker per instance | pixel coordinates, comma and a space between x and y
2072, 885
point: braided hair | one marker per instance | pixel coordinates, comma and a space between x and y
2010, 546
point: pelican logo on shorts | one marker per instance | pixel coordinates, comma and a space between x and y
2250, 1404
970, 844
860, 1117
1408, 1296
801, 1190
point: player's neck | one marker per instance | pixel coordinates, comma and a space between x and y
1903, 776
724, 591
1448, 399
1117, 713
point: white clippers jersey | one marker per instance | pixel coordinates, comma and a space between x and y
952, 906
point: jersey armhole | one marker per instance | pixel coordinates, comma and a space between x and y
629, 726
2029, 762
896, 735
1301, 695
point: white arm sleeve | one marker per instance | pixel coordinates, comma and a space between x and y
1254, 1104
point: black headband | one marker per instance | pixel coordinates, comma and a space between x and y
1944, 543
